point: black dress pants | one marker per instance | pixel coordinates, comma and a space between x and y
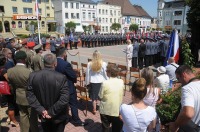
134, 62
141, 62
50, 126
115, 121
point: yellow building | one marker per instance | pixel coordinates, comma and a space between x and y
16, 16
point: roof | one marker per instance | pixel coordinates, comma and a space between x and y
127, 8
175, 4
141, 11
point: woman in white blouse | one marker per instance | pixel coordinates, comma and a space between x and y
129, 51
95, 75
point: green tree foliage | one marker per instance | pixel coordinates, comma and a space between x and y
193, 19
115, 26
133, 27
35, 23
70, 25
187, 54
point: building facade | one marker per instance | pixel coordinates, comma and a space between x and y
107, 15
172, 15
16, 15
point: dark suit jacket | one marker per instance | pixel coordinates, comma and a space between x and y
48, 90
142, 49
65, 68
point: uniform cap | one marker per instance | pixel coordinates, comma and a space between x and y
31, 44
20, 55
37, 47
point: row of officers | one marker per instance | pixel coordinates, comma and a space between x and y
146, 52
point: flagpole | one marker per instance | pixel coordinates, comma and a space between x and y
38, 21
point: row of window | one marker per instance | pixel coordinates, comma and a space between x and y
176, 22
26, 23
76, 5
30, 1
73, 16
27, 10
104, 29
105, 12
176, 13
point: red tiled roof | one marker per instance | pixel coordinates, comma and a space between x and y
127, 8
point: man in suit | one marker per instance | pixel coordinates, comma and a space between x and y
135, 54
18, 77
148, 52
50, 97
141, 53
64, 67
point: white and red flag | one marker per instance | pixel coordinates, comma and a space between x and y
37, 8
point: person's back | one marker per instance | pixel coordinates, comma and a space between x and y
170, 70
136, 120
151, 97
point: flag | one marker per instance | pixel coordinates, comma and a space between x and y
71, 37
37, 8
176, 46
170, 48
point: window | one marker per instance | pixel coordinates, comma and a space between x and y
115, 20
103, 28
103, 11
177, 13
177, 22
39, 1
93, 15
19, 24
13, 0
106, 28
93, 6
72, 15
111, 12
77, 15
28, 10
43, 24
106, 12
66, 4
13, 24
106, 20
89, 6
48, 7
84, 15
27, 1
89, 16
83, 5
118, 20
48, 15
100, 20
40, 11
99, 11
47, 1
14, 9
110, 20
118, 13
115, 13
103, 20
77, 5
66, 16
72, 5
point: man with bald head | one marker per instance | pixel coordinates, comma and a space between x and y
171, 68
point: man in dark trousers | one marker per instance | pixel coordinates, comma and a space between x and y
64, 67
141, 53
50, 97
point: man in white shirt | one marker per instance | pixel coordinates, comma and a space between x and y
188, 119
171, 68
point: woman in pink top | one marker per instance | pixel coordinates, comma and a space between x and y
153, 93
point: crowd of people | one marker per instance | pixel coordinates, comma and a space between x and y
44, 87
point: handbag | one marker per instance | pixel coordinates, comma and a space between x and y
4, 88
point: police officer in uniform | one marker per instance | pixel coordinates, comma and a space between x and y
75, 41
135, 54
148, 52
83, 40
66, 41
44, 43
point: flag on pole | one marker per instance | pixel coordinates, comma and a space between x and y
173, 49
37, 9
176, 46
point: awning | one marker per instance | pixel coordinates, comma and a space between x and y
79, 29
51, 21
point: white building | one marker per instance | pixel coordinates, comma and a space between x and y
132, 14
81, 12
107, 15
172, 15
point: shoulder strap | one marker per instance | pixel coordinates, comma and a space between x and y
174, 65
136, 117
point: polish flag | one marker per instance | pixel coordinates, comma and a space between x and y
37, 8
176, 46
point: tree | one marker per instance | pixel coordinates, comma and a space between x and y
70, 25
115, 26
193, 19
133, 27
35, 24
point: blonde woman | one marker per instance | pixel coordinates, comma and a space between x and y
153, 93
95, 75
129, 51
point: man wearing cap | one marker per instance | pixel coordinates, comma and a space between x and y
37, 61
162, 79
30, 53
18, 77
